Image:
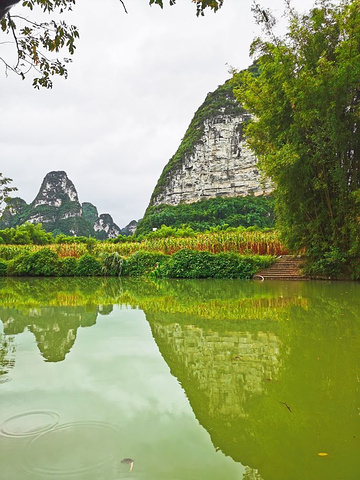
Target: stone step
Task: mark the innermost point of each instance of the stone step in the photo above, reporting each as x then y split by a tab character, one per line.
286	267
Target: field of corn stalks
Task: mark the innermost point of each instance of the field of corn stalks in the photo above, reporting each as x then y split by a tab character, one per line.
261	243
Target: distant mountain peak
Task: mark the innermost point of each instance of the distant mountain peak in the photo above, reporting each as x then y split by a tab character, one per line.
55	189
57	208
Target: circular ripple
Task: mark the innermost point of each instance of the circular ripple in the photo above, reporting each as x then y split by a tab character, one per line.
73	448
30	423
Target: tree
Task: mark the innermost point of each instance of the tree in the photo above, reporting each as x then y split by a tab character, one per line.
305	98
37	44
4	190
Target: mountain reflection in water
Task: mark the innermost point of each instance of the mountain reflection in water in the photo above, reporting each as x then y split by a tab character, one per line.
242	352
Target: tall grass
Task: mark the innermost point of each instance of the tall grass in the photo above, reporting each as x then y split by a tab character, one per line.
260	243
243	242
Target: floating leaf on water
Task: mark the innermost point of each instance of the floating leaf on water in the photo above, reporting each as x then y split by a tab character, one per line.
323	454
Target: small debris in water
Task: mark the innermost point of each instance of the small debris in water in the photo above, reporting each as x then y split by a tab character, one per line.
286	405
128	461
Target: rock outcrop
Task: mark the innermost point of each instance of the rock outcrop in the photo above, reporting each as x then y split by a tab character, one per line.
105	227
58	209
213	159
130	228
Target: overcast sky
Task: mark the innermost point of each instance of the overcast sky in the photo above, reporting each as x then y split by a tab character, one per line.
133	87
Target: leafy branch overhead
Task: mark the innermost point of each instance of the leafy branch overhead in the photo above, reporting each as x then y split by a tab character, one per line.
201	5
37	44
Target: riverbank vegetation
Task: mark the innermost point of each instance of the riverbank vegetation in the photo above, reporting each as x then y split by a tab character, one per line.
166	253
45	262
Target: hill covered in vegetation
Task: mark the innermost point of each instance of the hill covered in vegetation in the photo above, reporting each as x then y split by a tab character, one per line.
57	208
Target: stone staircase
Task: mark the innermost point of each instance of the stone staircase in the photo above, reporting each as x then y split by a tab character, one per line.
286	267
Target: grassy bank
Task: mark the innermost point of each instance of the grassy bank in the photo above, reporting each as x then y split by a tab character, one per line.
45	262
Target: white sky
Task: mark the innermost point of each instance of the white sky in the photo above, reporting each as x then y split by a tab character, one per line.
135	82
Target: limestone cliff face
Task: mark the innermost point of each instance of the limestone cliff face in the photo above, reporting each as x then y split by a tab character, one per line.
213	159
130	228
56	189
58	209
105	227
57	200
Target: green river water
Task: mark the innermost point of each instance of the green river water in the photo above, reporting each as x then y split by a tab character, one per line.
183	380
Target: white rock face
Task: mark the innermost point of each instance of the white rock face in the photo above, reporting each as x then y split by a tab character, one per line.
52	203
220	165
106	224
39	218
70	215
55	188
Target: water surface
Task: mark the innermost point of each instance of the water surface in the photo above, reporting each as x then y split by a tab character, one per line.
181	379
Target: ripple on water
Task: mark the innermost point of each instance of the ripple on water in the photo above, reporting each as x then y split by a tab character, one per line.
72	449
30	423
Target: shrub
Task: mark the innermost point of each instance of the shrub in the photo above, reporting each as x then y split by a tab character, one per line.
355	269
142	263
19	266
330	263
43	263
112	264
3	268
198	264
67	267
88	266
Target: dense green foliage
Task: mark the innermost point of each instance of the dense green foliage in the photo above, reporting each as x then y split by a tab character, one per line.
142	263
3	268
65	220
67	267
202	215
221	101
26	234
43	263
35	234
89	212
183	264
111	264
194	264
306	106
88	266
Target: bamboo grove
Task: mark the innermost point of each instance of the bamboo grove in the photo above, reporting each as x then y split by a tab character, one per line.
305	101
